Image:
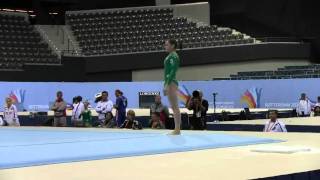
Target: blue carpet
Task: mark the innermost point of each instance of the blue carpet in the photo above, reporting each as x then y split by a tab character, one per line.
30	147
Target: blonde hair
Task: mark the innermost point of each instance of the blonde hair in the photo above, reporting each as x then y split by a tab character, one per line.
86	102
8	98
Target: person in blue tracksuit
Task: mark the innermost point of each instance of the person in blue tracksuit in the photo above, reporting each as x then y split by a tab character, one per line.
120	106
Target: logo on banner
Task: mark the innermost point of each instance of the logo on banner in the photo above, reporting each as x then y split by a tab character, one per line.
18	97
183	95
252	97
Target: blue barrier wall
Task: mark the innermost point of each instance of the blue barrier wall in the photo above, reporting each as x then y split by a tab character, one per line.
265	93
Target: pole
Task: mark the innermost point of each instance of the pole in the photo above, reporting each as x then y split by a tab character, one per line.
214	107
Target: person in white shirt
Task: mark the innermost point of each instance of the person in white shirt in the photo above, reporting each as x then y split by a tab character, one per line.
274	125
10	114
104	105
304	106
78	108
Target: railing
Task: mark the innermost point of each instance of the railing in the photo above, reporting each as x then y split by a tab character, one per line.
50	44
282	39
71	47
271	77
70	52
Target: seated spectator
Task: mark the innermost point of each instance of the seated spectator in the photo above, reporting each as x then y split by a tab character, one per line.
316	111
86	115
77	110
304	106
10	114
200	108
110	121
274	125
205	104
130	122
155	122
158	107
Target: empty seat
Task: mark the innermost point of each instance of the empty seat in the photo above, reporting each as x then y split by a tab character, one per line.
20	43
116	31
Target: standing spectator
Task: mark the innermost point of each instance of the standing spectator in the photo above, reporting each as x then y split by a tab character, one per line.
304	106
200	108
78	108
318	102
158	107
130	122
74	102
59	107
155	122
86	115
274	125
10	114
120	106
104	105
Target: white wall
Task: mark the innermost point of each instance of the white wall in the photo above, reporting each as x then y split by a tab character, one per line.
197	12
163	2
207	72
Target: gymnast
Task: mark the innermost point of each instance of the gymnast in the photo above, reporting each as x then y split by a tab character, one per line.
171	65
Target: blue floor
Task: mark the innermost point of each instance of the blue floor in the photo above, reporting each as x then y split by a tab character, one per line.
30	147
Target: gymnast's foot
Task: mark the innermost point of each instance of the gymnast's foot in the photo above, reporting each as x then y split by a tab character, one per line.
175	132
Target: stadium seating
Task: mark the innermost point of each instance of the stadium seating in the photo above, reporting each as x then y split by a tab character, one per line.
143	30
288	72
20	43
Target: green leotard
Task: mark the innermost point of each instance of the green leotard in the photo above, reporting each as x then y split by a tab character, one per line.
87	118
171	65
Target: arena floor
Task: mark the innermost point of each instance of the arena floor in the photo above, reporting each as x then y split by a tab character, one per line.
222	163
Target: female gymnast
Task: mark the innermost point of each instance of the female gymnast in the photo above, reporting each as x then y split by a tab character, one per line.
171	65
